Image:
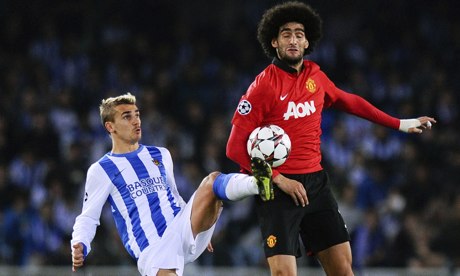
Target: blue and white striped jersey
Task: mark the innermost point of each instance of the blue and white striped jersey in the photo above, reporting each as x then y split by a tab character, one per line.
142	192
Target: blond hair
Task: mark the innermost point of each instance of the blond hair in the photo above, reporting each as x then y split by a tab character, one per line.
107	107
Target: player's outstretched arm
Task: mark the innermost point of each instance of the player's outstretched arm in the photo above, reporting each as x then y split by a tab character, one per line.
77	256
416	125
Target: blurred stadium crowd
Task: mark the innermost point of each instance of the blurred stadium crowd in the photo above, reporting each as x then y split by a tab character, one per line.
189	62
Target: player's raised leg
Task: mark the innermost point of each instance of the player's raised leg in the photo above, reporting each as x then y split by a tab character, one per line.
218	187
206	205
236	186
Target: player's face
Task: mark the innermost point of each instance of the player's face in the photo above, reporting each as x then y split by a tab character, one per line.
291	43
127	124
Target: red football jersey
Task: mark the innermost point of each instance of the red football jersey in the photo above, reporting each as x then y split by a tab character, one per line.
281	96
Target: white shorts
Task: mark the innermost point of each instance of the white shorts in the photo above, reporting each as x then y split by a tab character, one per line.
177	246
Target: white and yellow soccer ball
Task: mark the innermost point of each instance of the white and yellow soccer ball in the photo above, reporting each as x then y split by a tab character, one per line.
270	143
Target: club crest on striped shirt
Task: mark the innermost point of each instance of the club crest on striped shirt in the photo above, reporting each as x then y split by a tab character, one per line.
156	162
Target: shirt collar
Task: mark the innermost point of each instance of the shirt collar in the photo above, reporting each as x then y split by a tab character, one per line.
284	66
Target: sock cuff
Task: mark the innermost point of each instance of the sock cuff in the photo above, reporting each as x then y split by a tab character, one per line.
219	186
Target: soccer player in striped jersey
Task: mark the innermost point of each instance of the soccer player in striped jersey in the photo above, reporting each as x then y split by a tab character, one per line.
292	93
156	226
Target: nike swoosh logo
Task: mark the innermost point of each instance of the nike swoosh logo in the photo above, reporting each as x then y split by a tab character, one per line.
118	174
283	97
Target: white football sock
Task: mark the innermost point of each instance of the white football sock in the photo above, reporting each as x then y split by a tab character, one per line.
236	186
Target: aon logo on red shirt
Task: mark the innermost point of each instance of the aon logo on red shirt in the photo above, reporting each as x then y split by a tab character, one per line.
299	110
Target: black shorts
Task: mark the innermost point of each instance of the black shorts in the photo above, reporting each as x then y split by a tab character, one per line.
318	224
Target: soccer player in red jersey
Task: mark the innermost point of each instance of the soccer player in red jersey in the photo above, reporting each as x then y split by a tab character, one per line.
292	93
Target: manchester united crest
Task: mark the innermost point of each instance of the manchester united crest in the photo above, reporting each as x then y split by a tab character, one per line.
310	85
271	241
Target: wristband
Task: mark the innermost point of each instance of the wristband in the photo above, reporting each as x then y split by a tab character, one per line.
406	124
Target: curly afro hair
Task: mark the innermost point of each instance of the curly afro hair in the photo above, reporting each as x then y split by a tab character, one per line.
281	14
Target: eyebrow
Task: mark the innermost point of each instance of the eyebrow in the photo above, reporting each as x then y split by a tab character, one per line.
128	112
290	30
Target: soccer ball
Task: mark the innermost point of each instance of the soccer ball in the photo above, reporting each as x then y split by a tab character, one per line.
270	143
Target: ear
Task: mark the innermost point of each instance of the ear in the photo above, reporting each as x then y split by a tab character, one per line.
274	43
109	127
307	44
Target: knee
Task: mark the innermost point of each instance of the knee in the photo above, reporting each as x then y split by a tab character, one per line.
212	176
208	181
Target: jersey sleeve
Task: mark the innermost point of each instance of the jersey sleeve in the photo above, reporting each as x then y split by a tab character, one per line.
236	148
253	105
248	115
356	105
97	189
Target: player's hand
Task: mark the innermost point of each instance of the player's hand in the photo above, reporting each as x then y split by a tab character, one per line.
293	188
426	123
77	256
